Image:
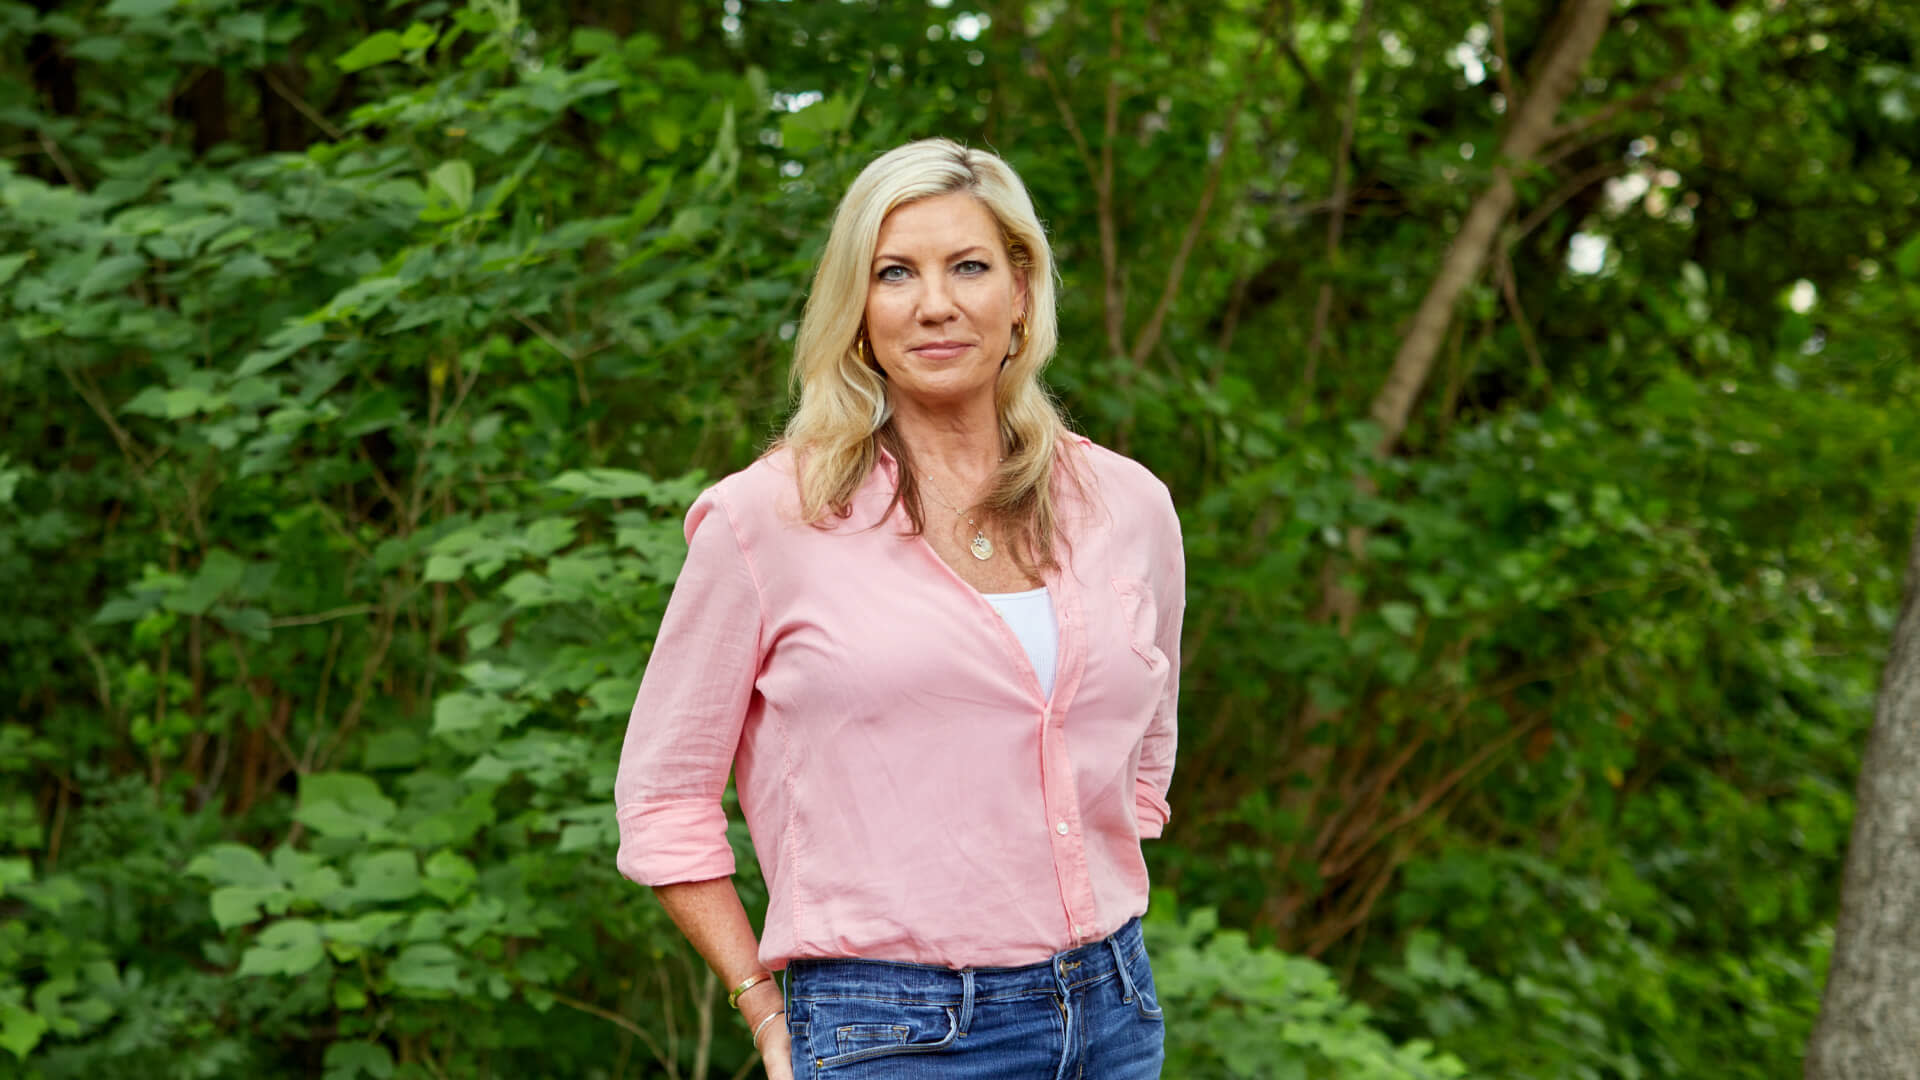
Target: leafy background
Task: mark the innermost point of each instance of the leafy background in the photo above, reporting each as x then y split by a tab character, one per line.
359	359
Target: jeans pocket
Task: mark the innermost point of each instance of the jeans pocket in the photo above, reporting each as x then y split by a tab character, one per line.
1139	978
846	1031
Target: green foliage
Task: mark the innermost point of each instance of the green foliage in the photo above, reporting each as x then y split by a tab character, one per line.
358	367
1238	1010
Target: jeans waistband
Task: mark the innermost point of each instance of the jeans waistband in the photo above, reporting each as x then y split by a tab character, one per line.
827	978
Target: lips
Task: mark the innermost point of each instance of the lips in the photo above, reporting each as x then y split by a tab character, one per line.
941	350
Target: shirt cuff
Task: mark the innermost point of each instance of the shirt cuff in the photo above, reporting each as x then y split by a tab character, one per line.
670	842
1150	810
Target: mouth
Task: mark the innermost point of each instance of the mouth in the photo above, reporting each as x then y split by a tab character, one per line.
941	350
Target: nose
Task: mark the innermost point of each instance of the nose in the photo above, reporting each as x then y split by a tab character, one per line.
936	301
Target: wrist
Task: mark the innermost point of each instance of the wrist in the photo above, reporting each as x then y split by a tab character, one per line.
746	986
756	1000
771	1020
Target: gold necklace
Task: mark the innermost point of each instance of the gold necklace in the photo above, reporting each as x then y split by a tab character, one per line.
981	546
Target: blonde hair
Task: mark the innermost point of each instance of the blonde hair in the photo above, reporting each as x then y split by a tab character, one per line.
844	418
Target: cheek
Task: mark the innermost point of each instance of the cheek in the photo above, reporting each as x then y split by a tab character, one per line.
886	312
989	301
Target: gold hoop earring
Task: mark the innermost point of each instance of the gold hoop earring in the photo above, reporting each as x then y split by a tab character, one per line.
1020	328
865	353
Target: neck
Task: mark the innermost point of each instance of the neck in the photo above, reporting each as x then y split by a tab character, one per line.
958	444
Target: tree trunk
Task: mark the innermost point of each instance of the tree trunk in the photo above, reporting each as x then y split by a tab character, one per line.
1869	1025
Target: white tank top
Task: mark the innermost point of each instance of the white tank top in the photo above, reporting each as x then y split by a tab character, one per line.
1030	615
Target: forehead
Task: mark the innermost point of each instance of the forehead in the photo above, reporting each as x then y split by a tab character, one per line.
943	223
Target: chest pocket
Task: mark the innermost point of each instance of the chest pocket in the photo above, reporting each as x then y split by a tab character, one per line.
1139	619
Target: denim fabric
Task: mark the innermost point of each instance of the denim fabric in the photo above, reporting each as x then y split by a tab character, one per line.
1089	1012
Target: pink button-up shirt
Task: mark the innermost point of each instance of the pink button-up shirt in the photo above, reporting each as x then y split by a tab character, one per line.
910	791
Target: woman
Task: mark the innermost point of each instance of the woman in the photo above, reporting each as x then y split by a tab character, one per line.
936	636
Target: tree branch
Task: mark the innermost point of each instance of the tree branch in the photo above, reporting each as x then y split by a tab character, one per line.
1498	19
1507	286
1337	218
1585	21
300	104
1116	299
1617	106
1111	295
1581	181
1143	346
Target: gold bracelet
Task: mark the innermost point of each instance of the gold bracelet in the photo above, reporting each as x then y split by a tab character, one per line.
753	980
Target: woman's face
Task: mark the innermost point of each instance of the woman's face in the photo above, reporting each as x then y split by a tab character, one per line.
942	299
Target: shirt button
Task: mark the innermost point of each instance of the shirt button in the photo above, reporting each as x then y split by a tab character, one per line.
1061	828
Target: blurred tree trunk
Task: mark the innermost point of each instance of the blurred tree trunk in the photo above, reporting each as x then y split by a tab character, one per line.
1871	1012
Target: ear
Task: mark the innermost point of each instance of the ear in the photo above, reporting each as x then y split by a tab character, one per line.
1019	294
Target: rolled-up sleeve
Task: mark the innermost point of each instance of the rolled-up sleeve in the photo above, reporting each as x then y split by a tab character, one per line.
688	715
1157	746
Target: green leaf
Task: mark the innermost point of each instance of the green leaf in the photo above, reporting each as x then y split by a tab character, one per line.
139	9
309	878
1400	615
235	864
488	676
219	572
605	483
454	180
377	49
126	608
238	905
464	711
14	872
288	947
593	41
430	968
11	264
343	804
394	749
548	535
443	568
418	35
584	837
251	623
20	1030
666	131
386	876
1907	259
110	273
347	1060
801	132
363	931
283	344
449	876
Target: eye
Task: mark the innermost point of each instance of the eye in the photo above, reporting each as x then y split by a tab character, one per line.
972	266
887	273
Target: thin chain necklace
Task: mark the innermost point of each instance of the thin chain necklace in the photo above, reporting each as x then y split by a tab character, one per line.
981	545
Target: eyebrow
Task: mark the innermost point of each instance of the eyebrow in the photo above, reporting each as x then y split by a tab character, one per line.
904	259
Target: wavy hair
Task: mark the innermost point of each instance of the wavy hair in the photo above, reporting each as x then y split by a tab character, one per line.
843	417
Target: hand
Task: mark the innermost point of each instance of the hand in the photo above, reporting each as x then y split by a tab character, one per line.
776	1051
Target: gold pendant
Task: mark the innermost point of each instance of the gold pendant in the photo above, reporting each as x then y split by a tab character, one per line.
982	547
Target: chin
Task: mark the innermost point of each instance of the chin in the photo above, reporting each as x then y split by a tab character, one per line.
949	386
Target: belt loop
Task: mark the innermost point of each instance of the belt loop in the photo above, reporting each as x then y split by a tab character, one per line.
966	999
1120	965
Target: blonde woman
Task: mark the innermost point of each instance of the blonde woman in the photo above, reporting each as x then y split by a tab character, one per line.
935	635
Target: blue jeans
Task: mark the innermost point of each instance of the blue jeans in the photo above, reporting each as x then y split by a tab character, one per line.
1087	1012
